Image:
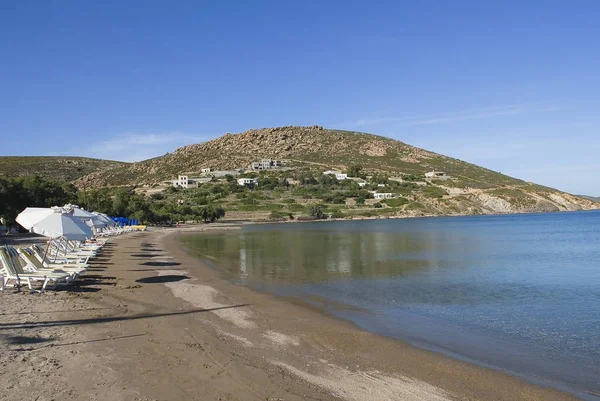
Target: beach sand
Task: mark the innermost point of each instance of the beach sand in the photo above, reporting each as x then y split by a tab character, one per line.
149	322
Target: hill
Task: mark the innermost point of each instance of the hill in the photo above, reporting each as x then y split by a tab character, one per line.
592	198
470	190
59	168
301	147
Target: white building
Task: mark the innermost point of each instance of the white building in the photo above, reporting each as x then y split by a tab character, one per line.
247	181
183	181
337	174
362	184
436	174
383	195
266	164
381	185
205	170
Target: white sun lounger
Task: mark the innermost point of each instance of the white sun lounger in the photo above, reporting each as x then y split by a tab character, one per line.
12	271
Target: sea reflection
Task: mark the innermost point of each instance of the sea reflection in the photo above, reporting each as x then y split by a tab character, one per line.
322	255
516	292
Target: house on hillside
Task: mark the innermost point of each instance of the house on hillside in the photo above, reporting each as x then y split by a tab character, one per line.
440	175
247	181
184	181
339	175
383	195
266	164
205	170
362	184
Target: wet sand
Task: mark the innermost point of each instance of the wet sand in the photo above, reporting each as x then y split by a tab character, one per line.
150	322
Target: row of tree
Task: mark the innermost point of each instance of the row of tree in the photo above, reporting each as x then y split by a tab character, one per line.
18	193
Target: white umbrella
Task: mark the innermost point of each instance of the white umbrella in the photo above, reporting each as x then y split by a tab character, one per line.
89	218
103	218
59	224
31	215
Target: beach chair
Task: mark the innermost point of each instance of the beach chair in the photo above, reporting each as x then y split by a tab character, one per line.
12	271
65	248
60	254
45	257
32	264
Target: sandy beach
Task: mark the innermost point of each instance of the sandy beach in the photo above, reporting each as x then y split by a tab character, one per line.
150	322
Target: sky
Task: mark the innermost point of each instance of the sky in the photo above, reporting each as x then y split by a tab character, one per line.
513	86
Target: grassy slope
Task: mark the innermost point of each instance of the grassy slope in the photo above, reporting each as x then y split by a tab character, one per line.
55	167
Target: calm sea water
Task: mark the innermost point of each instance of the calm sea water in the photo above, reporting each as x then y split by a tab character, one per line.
520	293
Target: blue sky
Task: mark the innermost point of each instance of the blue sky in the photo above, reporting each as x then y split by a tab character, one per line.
513	86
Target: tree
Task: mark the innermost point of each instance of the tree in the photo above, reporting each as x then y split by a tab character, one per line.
354	170
316	212
210	213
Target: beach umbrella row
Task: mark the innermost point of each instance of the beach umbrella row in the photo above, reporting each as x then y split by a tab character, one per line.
54	222
69	221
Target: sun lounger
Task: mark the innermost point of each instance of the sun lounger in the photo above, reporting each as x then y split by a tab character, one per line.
45	258
34	265
12	271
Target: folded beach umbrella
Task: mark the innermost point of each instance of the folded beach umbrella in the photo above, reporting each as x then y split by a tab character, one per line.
31	215
60	224
89	218
103	218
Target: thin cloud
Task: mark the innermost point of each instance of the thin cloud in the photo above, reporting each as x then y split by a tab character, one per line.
137	147
406	121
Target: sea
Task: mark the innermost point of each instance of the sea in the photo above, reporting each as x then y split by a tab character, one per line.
516	293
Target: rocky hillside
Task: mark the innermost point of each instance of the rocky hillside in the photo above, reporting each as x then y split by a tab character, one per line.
58	168
300	146
471	189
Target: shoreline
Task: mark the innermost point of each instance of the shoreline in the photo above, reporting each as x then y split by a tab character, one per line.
313	308
359	218
151	322
320	306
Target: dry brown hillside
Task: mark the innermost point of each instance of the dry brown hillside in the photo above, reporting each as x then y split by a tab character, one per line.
61	168
472	189
301	146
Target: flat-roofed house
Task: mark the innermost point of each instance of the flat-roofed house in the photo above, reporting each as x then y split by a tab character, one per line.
247	181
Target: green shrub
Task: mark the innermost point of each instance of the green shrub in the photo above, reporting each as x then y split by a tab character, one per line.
415	206
316	212
276	215
337	214
433	191
396	202
377	205
295	207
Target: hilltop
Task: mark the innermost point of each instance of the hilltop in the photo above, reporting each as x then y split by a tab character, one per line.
313	146
309	151
60	168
